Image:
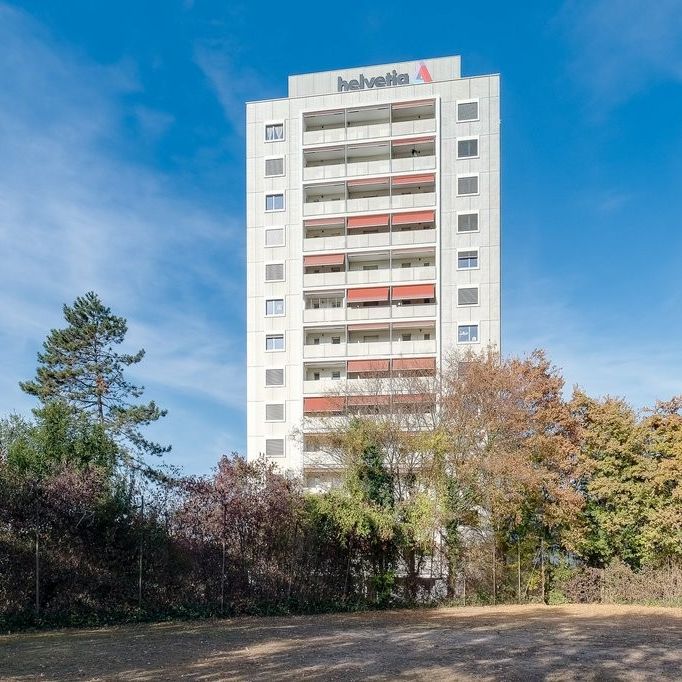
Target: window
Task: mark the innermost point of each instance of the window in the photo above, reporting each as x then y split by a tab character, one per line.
274	202
336	374
370	267
467	333
274	167
274	272
467	111
274	447
316	341
427	337
406	265
274	342
274	237
467	148
406	337
274	377
274	306
467	260
336	340
467	184
467	296
274	132
274	412
316	376
370	338
467	222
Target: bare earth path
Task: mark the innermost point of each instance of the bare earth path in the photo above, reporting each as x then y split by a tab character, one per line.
494	643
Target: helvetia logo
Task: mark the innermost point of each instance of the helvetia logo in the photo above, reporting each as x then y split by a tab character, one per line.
423	75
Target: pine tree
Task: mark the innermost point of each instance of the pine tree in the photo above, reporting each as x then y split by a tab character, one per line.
81	367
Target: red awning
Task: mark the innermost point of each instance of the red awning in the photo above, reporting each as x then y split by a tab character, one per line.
368	366
413	217
358	222
323	222
413	140
367	294
367	326
412	291
414	363
324	404
325	259
422	324
368	400
425	179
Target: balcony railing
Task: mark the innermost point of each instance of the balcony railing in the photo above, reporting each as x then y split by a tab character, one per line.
360	277
324	314
368	348
338	169
324	350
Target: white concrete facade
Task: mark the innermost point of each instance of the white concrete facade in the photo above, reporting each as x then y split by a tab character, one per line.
391	182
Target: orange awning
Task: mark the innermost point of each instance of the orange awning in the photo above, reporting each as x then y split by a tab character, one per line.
368	400
413	140
425	179
414	291
323	404
413	217
414	363
358	222
325	259
323	222
368	366
367	294
368	325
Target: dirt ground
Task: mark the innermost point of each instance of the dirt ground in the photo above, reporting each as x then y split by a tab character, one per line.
487	643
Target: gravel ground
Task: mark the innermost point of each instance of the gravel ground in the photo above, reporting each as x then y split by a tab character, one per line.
574	642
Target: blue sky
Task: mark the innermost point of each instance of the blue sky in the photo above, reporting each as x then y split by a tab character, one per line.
122	171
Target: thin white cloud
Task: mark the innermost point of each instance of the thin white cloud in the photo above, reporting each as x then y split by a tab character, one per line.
622	46
76	215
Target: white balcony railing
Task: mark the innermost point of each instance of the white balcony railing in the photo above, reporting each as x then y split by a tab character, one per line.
413	274
323	350
368	276
369	313
376	348
321	136
329	171
322	279
362	132
368	167
321	386
422	125
323	207
368	204
413	200
324	243
413	237
409	347
419	310
416	163
356	241
324	314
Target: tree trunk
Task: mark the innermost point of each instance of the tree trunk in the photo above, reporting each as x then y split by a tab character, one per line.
542	568
494	574
518	569
139	574
37	574
222	582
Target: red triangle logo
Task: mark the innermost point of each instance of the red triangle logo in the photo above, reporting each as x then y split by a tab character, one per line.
423	75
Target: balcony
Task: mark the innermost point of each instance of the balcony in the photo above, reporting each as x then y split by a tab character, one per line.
418	310
368	313
414	347
413	274
322	279
360	123
337	243
324	314
368	204
324	207
323	350
417	163
359	348
408	237
417	200
321	386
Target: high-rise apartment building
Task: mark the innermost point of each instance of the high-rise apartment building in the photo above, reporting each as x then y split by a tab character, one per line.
373	237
